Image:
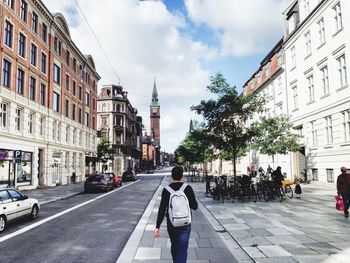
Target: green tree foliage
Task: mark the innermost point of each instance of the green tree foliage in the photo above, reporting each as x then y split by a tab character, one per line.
226	118
104	150
274	135
194	148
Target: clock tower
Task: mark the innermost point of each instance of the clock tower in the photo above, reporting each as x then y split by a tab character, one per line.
155	115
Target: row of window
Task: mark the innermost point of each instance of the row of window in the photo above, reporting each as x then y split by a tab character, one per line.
324	76
19	121
328	129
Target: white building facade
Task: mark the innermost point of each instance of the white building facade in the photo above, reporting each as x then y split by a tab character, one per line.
316	45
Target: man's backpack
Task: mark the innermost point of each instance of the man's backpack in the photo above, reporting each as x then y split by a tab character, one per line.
179	211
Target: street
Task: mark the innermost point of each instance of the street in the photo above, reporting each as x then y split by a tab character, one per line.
94	232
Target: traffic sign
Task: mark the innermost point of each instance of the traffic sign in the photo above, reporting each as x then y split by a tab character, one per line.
17	156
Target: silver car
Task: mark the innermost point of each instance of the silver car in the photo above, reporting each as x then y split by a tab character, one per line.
14	204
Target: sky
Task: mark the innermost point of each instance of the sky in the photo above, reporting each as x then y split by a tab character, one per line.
179	43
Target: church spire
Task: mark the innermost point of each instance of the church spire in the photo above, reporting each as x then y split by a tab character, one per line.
155	101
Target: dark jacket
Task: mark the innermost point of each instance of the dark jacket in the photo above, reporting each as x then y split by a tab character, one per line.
164	202
343	183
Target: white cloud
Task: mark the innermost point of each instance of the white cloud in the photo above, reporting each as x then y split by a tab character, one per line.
243	27
143	39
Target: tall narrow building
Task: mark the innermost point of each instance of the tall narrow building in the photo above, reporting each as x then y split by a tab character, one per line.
155	115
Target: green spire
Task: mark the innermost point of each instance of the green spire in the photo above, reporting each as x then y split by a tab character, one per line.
155	101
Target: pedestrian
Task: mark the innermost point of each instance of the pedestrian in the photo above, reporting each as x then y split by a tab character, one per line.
269	169
297	189
343	189
179	231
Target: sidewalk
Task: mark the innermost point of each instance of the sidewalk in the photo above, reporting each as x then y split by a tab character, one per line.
206	244
52	194
307	230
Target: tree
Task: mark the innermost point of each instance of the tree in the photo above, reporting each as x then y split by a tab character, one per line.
194	148
226	118
274	135
104	150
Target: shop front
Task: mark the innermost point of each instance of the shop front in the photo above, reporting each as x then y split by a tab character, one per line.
16	168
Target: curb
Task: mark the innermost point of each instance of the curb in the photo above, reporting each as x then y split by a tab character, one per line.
129	252
235	249
60	198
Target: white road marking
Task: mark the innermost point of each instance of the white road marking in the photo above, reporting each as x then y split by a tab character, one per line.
27	228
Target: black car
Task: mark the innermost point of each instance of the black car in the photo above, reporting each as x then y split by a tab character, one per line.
129	175
98	182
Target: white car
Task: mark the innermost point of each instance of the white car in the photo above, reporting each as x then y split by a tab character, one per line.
14	204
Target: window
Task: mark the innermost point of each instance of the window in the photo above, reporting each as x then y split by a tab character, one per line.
94	123
87	99
74	65
104	121
67	108
342	71
87	119
6	73
42	126
23	10
67	82
267	69
93	104
295	97
338	17
293	55
20	81
33	54
346	125
3	114
8	34
58	46
325	80
56	102
67	57
35	22
30	122
81	72
80	93
11	3
321	31
259	77
279	83
43	62
18	119
44	33
311	91
22	45
73	112
314	174
314	133
42	94
67	140
74	88
56	74
59	131
279	57
80	116
330	175
104	107
329	130
32	88
308	44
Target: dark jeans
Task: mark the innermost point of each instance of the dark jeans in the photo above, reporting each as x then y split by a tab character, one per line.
346	200
179	237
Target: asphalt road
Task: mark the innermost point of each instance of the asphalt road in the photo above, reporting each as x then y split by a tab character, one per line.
95	232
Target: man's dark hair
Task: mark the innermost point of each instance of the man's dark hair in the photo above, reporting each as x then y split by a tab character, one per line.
177	172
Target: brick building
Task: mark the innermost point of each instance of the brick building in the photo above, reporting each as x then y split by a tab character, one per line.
47	99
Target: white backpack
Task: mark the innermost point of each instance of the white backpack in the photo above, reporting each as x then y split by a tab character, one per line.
179	209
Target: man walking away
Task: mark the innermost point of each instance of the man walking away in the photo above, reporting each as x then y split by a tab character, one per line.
343	189
179	228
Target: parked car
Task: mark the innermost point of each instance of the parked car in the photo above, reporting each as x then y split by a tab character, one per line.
129	175
98	182
150	171
117	180
15	205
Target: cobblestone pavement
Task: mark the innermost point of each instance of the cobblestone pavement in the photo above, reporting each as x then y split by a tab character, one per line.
206	245
307	230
